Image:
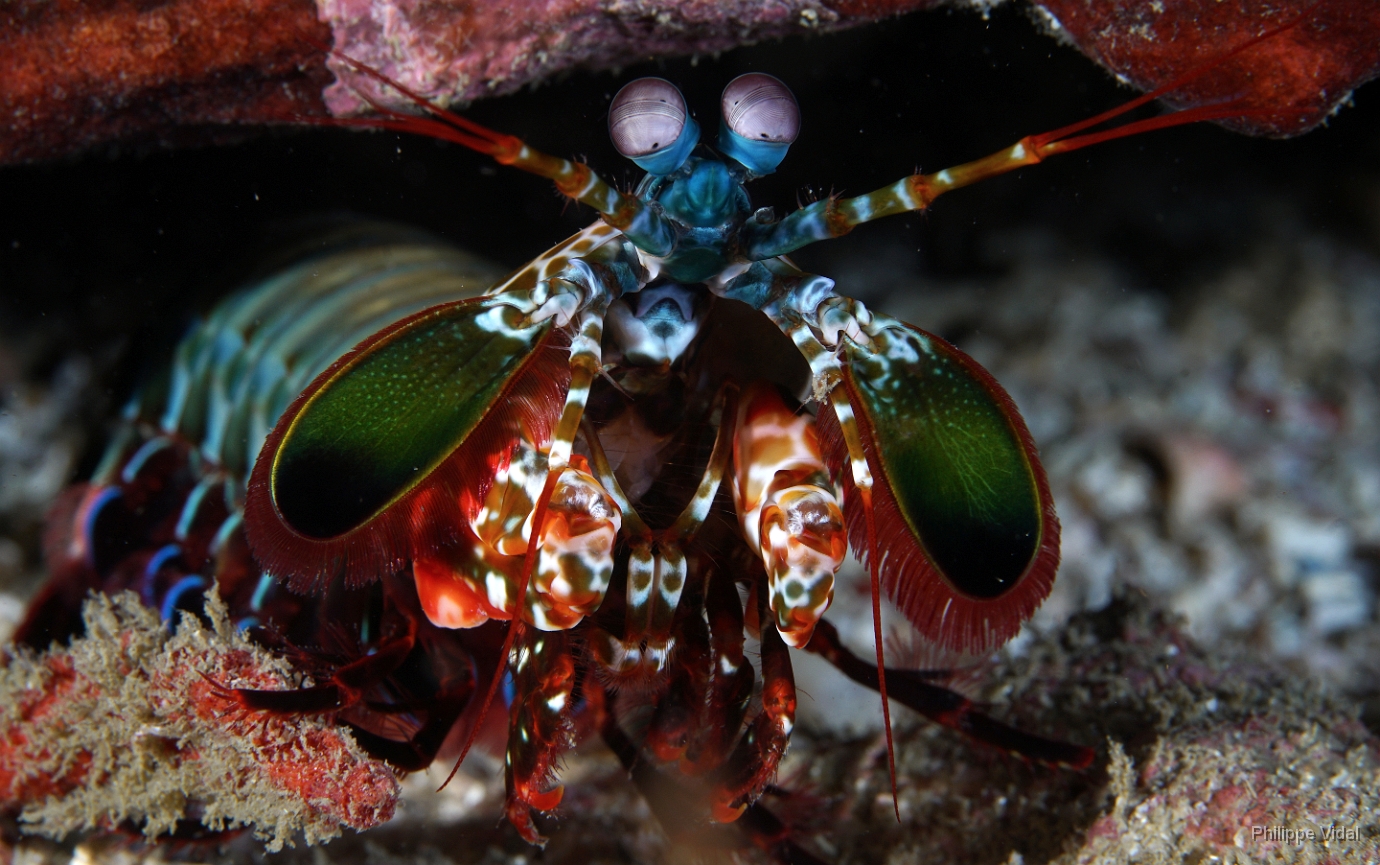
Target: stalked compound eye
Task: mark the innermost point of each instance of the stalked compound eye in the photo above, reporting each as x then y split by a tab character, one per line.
650	125
760	120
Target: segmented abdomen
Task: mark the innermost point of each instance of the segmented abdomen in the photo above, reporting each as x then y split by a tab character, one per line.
162	514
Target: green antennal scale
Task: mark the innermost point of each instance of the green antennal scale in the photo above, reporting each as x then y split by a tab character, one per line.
964	501
376	428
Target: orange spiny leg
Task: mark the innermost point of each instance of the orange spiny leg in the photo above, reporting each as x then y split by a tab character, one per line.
406	718
753	764
540	729
946	707
788	509
730	687
433	686
769	834
420	749
679	709
677	802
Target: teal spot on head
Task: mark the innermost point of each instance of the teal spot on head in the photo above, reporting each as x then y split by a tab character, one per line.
707	196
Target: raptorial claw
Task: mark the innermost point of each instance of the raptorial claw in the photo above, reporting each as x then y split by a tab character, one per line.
477	579
788	509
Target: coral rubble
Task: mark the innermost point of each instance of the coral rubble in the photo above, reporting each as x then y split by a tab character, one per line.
131	728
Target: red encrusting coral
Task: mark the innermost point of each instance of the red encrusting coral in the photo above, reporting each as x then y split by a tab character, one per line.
1296	78
17	746
458	52
133	726
76	74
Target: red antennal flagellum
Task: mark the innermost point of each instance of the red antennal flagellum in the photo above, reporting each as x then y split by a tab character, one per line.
573	179
443	124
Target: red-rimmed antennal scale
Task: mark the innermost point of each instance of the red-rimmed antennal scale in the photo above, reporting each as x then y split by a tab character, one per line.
967	540
366	476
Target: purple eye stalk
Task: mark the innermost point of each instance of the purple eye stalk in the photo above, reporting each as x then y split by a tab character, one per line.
650	125
760	120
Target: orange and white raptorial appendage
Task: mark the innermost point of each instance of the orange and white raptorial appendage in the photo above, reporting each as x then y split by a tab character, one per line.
468	585
788	508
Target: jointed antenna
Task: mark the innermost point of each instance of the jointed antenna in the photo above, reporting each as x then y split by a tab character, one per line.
644	226
834	217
